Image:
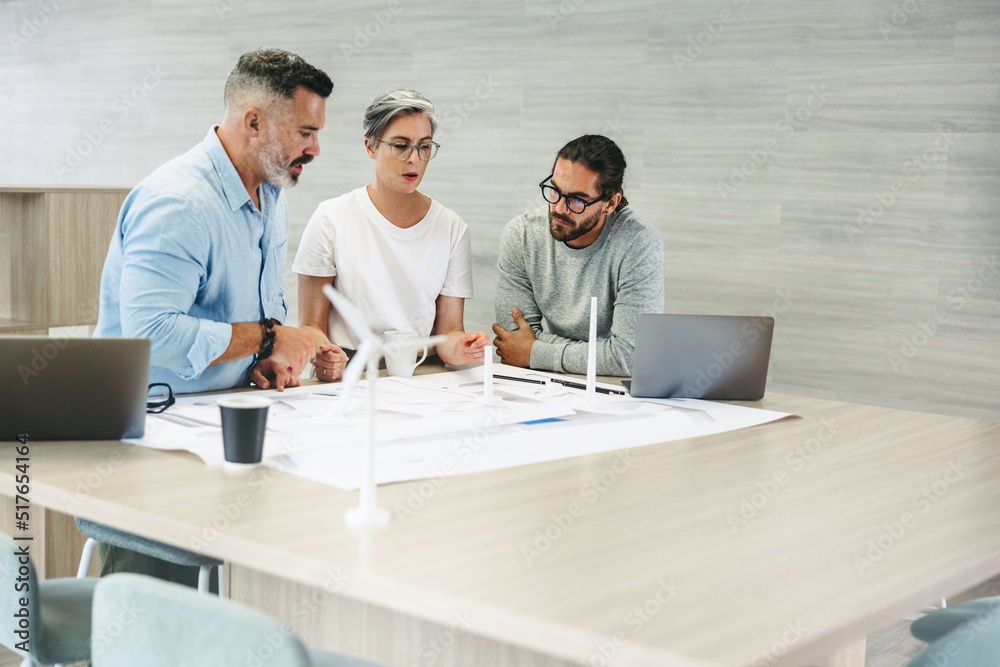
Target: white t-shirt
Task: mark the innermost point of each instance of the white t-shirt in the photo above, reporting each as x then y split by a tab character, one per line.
393	275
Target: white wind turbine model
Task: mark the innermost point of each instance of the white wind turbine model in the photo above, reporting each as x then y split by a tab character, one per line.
369	352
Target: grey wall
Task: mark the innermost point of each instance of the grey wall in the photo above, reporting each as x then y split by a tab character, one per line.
833	164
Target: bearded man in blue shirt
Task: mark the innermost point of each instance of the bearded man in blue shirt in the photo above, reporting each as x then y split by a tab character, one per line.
197	257
196	260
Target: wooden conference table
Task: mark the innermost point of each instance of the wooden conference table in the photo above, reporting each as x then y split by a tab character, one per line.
780	544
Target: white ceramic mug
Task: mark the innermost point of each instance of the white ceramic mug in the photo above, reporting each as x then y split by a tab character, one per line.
399	359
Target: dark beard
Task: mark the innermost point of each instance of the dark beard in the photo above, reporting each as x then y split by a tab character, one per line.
571	233
305	159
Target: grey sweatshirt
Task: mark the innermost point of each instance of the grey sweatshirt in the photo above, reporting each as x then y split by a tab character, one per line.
545	278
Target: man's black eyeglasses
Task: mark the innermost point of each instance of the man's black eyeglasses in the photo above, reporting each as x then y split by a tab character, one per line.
157	404
552	195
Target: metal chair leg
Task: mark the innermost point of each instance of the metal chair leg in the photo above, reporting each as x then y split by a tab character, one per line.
204	577
204	572
86	557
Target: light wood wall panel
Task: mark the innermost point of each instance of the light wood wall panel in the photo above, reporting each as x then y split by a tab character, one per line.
80	228
812	113
24	235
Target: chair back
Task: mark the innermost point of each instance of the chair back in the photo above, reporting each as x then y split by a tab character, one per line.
18	596
138	620
974	643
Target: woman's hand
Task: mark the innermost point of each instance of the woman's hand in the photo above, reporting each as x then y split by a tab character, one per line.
329	363
464	348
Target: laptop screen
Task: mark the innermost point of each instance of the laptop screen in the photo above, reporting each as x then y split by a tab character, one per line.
73	388
701	356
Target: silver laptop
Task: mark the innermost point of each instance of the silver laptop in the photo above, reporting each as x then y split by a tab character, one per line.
73	388
701	356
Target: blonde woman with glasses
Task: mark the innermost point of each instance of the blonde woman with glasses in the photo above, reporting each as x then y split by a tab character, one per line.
401	257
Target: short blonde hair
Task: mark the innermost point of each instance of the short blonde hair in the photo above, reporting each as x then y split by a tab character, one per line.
388	106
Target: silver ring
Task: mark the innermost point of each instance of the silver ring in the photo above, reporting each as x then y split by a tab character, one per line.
324	371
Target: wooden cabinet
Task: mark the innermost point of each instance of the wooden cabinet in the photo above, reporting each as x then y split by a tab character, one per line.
53	242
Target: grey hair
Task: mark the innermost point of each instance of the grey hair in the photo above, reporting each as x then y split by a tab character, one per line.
390	105
268	77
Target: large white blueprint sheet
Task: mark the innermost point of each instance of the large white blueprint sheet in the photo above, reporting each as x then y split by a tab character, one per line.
438	425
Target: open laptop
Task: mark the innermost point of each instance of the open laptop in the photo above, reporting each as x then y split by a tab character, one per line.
701	356
73	388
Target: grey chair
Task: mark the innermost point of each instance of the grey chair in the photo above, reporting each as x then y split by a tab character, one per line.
966	635
57	626
937	624
98	532
139	620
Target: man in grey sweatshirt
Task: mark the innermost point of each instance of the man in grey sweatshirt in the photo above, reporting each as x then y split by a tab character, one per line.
586	243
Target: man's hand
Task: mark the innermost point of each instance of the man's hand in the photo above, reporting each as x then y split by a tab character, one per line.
266	372
330	362
294	348
514	347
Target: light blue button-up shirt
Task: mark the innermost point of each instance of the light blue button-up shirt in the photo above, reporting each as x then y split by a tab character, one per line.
190	256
